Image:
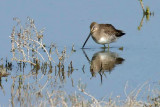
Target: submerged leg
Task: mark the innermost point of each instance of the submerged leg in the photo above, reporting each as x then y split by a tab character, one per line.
108	47
104	46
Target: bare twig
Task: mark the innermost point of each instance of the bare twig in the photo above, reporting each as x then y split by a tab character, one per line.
142	5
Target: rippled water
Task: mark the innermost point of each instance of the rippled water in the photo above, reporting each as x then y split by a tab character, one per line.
67	23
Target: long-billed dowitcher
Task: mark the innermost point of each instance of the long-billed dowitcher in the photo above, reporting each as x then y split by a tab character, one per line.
103	33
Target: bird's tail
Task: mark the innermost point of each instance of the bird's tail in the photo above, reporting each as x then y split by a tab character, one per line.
120	33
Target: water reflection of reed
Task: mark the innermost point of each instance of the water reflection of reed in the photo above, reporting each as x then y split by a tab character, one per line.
103	61
27	88
147	19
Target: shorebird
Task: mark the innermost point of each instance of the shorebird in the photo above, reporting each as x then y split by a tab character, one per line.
103	33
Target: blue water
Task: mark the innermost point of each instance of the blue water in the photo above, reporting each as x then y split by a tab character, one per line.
67	23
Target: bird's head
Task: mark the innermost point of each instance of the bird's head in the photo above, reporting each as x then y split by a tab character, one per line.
93	27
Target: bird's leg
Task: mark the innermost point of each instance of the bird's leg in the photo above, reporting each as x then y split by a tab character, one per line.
108	47
104	47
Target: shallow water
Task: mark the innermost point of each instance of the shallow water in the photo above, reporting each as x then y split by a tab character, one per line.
67	23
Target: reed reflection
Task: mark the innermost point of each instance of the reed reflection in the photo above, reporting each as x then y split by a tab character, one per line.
147	16
103	61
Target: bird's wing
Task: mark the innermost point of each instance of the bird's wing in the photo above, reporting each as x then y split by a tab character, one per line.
109	29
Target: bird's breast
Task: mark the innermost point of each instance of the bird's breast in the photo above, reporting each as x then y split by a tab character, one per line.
103	38
100	39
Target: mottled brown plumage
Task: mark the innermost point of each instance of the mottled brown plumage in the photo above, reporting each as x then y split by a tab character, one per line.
104	33
110	30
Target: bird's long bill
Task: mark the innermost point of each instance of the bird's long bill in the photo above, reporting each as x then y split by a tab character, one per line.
86	40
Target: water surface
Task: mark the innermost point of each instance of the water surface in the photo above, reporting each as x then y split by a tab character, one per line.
67	23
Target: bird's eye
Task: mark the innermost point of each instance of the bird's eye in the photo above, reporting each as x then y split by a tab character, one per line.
93	27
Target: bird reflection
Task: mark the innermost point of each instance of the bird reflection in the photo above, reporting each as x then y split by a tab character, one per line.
103	61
